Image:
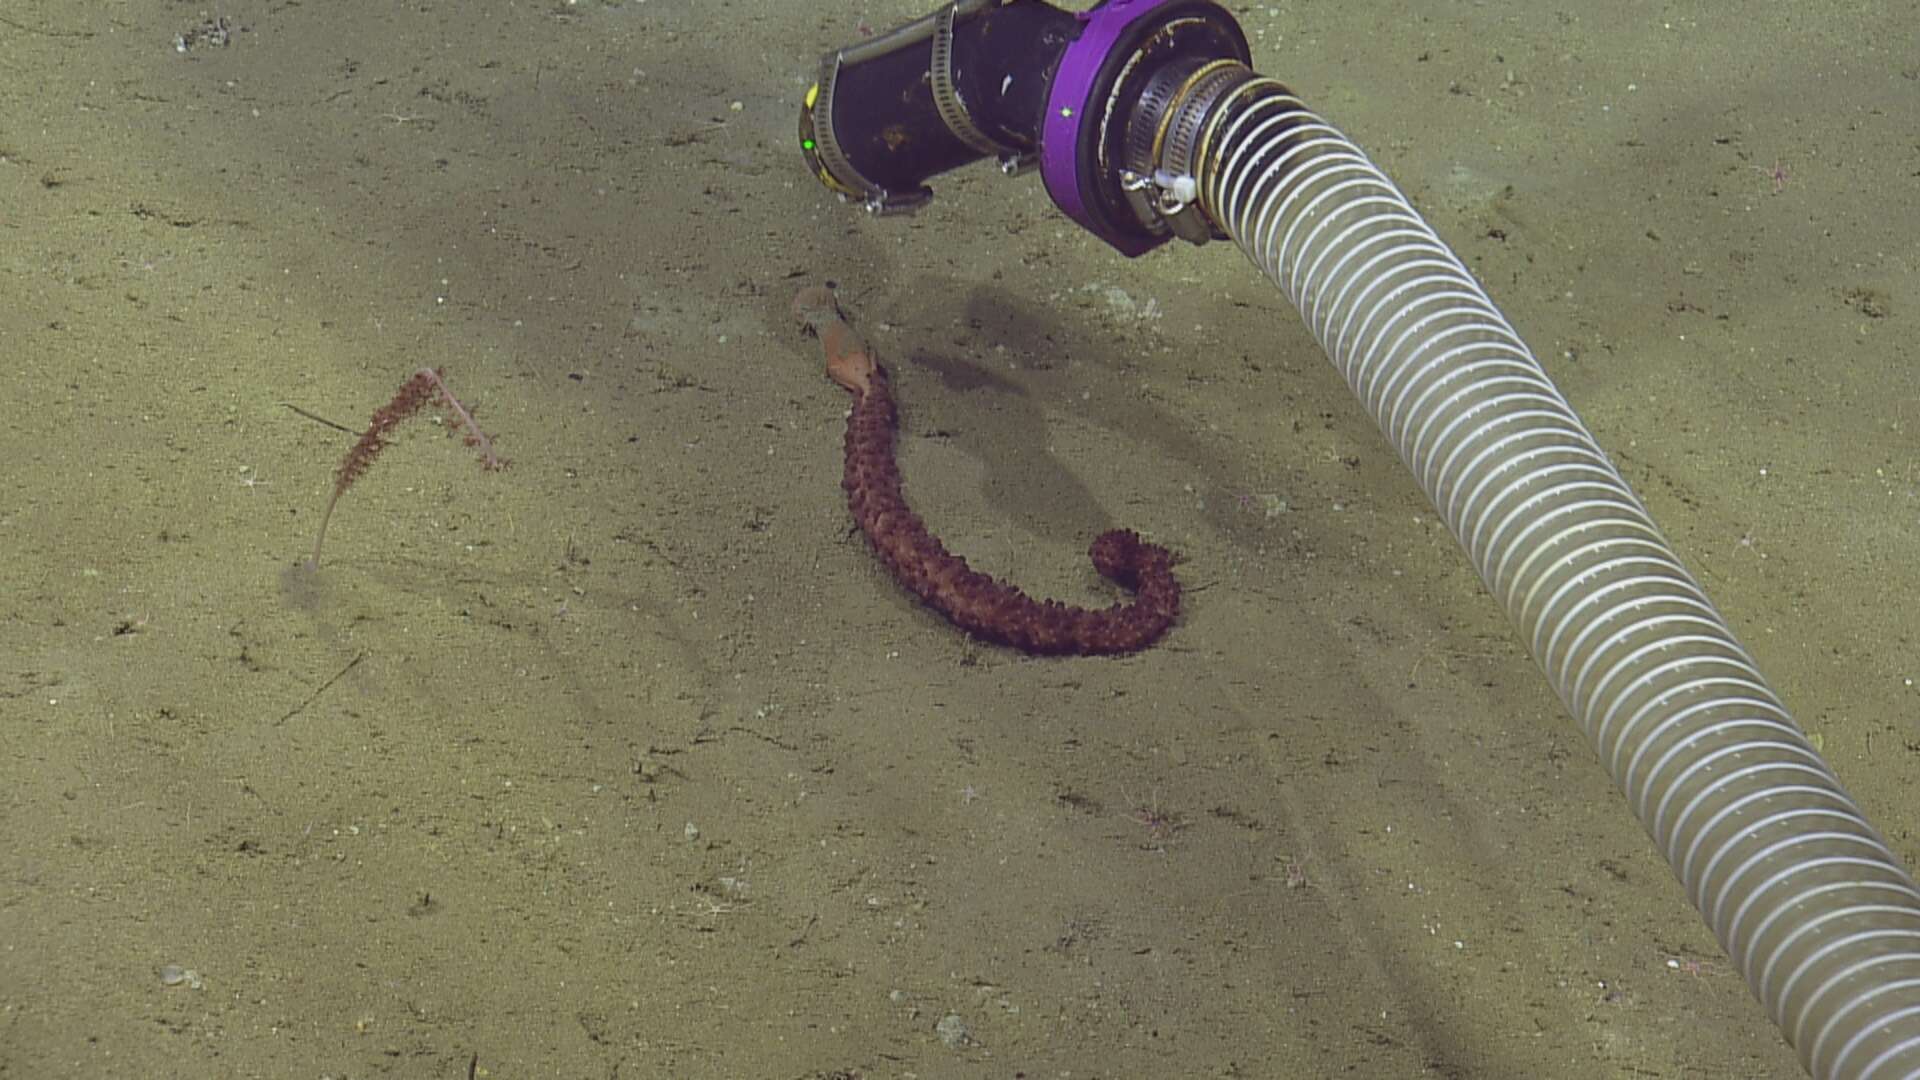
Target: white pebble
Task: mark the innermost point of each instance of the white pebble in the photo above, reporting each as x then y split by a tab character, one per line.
953	1030
175	975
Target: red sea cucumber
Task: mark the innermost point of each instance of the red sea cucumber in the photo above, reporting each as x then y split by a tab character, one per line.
973	601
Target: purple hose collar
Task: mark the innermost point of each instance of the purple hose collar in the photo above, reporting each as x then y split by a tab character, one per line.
1067	109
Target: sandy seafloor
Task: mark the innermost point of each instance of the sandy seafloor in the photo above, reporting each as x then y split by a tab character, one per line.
630	762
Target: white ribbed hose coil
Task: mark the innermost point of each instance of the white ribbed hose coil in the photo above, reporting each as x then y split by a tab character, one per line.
1801	891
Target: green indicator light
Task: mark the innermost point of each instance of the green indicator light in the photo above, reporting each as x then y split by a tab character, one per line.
806	144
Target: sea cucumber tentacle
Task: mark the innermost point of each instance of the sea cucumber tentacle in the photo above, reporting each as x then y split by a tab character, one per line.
975	602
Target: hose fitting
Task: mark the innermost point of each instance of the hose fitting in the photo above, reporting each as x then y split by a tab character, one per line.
1108	102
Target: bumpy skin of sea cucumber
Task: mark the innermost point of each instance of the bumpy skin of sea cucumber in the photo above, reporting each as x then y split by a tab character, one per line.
979	604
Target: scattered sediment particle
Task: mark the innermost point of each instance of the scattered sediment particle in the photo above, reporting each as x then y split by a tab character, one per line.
1124	308
217	32
1872	303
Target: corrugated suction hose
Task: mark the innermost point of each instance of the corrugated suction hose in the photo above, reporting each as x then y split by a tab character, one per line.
1801	891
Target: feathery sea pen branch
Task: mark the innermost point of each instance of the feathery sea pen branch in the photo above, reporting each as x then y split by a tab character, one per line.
426	387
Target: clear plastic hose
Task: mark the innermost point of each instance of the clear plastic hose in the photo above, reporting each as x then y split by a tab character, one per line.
1801	891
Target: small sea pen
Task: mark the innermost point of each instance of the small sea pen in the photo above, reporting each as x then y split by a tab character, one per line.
425	387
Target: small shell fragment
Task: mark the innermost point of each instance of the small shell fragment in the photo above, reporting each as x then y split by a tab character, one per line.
175	975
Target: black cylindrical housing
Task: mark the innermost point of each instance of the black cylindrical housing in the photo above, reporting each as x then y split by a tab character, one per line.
887	124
